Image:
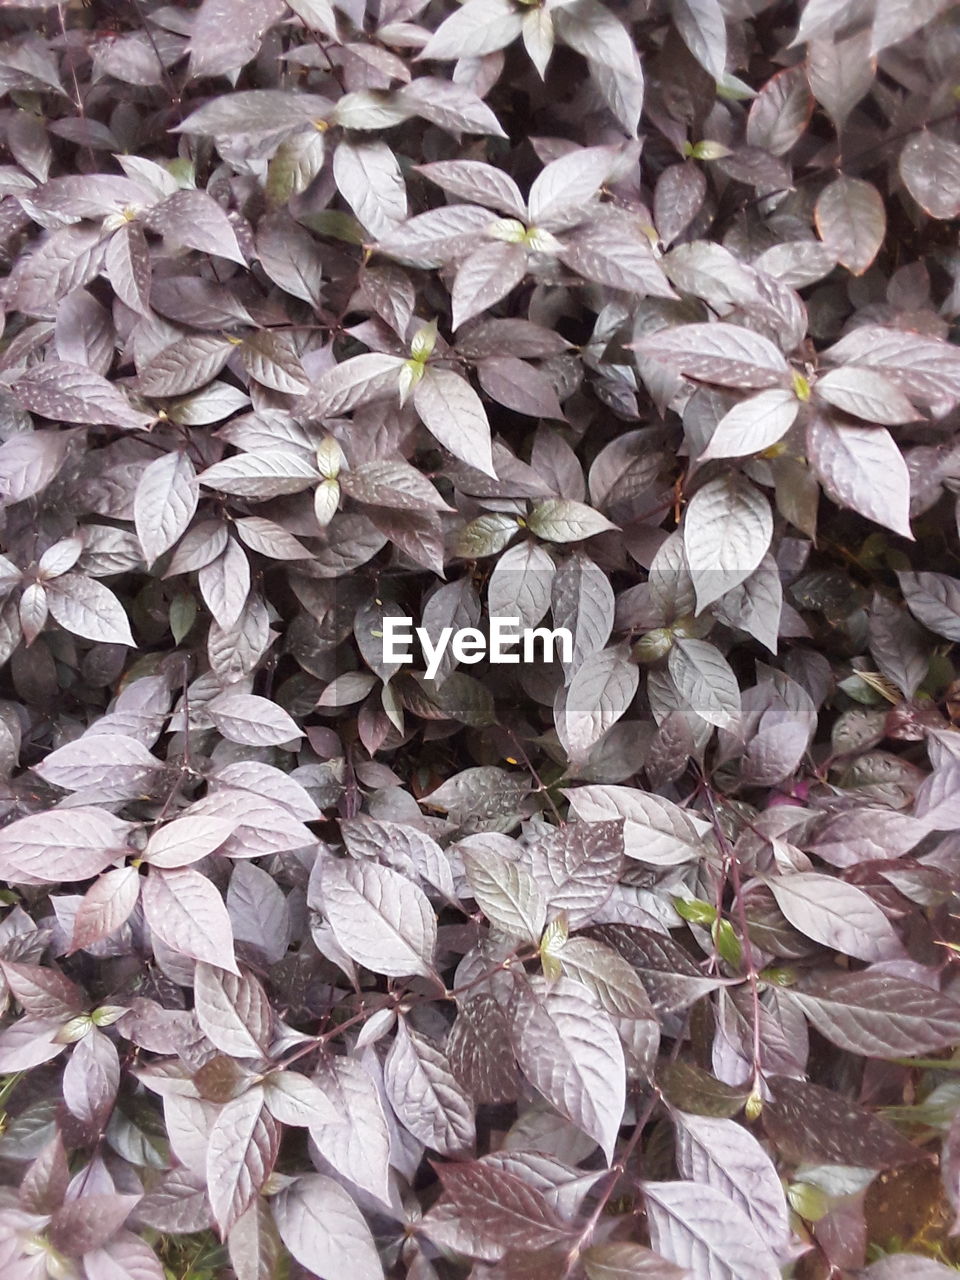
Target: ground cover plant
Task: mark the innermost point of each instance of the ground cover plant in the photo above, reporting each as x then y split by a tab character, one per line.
630	318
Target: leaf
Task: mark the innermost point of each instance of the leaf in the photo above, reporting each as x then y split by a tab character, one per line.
604	971
257	112
600	692
521	584
724	1155
561	520
82	1225
577	865
378	917
582	601
426	1096
851	221
243	1146
165	503
807	1122
362	379
696	1091
194	220
862	468
615	253
61	844
756	606
270	539
28	1043
450	105
669	976
697	1226
293	1099
486	276
295	163
184	365
569	1050
720	353
254	721
433	238
655	830
621	1260
678	196
88	609
258	911
358	1144
127	266
368	177
475	181
727	529
478	28
898	645
780	112
67	260
225	35
256	1251
878	1015
324	1229
930	167
124	1257
91	1079
233	1012
594	32
74	393
43	992
907	1266
270	357
753	425
840	72
479	1052
865	394
705	680
934	600
116	767
483	1211
106	905
262	475
451	411
225	587
391	484
703	29
506	893
867	834
29	461
186	913
837	915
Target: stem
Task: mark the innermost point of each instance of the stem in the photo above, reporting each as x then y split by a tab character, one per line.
78	97
542	789
732	865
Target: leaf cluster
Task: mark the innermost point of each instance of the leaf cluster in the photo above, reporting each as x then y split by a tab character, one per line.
632	318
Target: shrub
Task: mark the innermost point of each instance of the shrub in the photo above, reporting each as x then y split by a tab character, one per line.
630	319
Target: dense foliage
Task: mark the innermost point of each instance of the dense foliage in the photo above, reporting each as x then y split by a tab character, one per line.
632	318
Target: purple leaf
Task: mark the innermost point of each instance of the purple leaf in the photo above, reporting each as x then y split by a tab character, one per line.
698	1227
234	1013
378	917
187	914
91	1079
426	1096
570	1052
242	1150
63	844
324	1229
89	609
